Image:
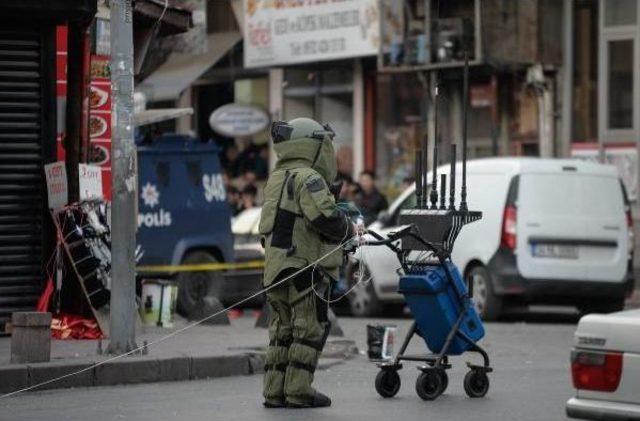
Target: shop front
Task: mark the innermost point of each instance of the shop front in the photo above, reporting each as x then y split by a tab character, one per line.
28	141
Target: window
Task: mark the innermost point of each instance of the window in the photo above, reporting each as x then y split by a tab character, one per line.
163	172
400	124
620	12
620	84
194	171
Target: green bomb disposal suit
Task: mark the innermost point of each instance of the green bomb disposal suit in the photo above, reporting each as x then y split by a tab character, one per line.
300	223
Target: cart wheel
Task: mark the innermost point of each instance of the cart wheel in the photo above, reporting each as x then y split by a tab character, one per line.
476	383
430	384
387	383
445	380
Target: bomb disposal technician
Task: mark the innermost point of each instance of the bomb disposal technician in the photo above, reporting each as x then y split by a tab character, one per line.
300	224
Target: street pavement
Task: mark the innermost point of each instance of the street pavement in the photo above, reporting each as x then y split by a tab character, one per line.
531	382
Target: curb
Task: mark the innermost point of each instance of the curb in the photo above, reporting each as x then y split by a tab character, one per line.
129	370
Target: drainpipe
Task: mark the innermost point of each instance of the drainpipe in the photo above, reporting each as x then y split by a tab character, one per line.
567	77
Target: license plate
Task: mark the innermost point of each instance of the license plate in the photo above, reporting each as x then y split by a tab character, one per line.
554	251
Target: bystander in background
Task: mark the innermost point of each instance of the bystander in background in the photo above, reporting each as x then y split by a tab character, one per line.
368	198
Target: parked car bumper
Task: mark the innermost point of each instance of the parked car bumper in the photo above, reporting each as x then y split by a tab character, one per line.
592	409
507	280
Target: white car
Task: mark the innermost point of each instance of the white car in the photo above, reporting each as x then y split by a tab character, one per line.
553	231
605	367
241	283
244	226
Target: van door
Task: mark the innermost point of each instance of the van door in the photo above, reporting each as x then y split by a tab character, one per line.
571	226
606	225
549	226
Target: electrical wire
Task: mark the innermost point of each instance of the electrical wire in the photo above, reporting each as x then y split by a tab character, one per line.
346	207
360	282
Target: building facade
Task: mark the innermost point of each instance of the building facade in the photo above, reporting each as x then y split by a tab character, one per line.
548	78
604	75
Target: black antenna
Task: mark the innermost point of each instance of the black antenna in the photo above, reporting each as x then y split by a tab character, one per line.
443	191
434	180
433	196
419	172
452	178
425	183
465	101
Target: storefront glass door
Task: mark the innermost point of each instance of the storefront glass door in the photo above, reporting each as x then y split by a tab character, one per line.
326	95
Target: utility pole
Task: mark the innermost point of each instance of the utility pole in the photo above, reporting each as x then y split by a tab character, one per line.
124	181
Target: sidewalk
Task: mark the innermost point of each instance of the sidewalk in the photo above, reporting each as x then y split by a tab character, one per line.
200	352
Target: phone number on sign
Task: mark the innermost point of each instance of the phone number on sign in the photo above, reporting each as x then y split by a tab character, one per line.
335	45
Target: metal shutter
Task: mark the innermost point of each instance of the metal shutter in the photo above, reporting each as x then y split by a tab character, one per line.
22	192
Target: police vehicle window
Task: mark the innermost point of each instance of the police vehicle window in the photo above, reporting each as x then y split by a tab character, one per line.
194	171
163	172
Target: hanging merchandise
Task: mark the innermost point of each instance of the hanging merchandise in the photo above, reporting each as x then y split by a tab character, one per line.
87	238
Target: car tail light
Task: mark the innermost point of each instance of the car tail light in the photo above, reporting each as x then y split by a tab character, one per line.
509	222
592	370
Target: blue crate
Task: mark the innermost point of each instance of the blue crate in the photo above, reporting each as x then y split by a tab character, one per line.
435	305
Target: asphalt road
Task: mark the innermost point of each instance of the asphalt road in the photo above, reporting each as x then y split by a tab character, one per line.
531	382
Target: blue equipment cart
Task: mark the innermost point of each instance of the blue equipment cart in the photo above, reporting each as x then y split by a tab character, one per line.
434	289
441	304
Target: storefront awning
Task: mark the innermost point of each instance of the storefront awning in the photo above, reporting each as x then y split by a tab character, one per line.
145	117
175	20
181	70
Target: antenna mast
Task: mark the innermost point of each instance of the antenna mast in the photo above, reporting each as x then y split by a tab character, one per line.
433	197
465	101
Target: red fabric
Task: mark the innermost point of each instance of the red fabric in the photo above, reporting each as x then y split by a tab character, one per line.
45	297
68	326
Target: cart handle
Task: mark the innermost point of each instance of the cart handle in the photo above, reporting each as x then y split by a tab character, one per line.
405	232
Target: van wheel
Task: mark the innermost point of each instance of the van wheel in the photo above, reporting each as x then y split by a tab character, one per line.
605	307
487	304
363	300
194	286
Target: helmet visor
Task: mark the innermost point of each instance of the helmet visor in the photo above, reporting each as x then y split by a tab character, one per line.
281	131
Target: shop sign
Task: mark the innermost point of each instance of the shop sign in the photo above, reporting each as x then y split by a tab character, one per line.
300	31
56	175
234	120
90	181
100	120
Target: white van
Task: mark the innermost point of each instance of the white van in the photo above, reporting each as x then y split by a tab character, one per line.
553	231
